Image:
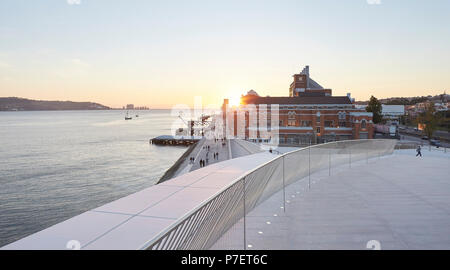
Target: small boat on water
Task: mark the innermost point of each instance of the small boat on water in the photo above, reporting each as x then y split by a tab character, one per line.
127	117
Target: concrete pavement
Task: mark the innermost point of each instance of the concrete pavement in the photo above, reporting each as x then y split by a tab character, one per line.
400	201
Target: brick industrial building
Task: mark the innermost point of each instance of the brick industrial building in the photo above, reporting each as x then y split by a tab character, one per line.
309	113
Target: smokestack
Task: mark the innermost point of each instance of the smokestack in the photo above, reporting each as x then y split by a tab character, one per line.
305	71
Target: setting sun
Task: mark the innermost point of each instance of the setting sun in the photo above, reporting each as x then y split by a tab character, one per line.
235	101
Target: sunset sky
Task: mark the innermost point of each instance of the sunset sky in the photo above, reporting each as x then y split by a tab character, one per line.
161	53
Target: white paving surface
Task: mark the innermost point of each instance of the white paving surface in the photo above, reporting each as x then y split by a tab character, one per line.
400	200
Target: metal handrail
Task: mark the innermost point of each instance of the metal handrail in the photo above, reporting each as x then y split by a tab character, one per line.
161	239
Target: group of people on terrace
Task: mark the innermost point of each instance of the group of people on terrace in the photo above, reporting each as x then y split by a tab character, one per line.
208	147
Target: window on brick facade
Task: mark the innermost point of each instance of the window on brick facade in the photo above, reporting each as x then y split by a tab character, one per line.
318	129
328	123
306	123
342	119
291	123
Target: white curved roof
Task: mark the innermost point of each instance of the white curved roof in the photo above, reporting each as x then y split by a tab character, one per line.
128	223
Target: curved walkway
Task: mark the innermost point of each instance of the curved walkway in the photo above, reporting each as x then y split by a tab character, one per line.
401	201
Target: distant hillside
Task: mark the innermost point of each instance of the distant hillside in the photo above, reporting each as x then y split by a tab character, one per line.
23	104
410	100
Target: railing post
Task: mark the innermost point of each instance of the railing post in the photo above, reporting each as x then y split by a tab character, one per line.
349	157
329	161
309	165
379	153
367	154
284	190
245	214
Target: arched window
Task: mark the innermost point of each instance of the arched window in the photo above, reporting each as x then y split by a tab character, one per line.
291	119
363	123
341	119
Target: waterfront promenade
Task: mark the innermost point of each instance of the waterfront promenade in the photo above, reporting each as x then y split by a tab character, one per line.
206	153
205	149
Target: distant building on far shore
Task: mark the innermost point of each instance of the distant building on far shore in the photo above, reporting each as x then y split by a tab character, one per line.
132	107
392	112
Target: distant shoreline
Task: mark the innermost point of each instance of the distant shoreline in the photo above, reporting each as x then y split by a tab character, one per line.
23	104
58	110
63	110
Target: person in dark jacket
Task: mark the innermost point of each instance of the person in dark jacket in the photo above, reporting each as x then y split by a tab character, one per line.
418	151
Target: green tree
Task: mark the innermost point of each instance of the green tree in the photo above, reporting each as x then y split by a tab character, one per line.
430	119
374	107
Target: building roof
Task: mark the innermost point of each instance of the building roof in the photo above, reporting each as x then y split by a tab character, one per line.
296	100
252	92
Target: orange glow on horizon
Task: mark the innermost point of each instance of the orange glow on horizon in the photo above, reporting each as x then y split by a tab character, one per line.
235	101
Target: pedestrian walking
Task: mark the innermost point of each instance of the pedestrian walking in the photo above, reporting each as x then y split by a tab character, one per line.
418	151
